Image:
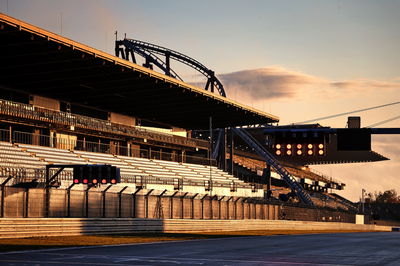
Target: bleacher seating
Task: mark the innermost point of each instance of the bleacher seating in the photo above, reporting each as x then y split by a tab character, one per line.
193	177
12	156
52	155
257	167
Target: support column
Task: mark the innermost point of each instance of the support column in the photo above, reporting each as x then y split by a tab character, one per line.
69	200
10	134
231	153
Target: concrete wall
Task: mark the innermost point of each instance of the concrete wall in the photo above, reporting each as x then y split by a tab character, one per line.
141	203
28	227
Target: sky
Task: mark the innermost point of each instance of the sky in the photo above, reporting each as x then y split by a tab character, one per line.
298	60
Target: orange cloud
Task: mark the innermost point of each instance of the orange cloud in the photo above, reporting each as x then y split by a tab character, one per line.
366	84
275	82
268	82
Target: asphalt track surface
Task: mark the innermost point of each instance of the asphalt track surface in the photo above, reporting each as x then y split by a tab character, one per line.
323	249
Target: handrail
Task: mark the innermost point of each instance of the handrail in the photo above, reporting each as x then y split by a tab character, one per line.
260	150
36	113
88	146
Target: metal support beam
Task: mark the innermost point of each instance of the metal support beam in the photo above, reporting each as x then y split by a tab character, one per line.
182	205
172	204
147	202
120	201
202	205
69	200
87	201
192	200
134	202
3	194
103	194
269	158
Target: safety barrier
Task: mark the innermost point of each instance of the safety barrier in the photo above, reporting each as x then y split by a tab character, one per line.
30	227
138	202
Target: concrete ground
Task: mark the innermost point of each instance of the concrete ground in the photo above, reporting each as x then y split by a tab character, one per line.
325	249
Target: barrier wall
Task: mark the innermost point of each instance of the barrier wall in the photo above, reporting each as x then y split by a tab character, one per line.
29	227
115	202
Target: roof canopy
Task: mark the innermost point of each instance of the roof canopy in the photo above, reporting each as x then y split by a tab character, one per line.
42	63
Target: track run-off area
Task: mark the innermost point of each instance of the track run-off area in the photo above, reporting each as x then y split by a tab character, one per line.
370	248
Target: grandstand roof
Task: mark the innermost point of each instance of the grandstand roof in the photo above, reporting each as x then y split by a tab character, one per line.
333	155
39	62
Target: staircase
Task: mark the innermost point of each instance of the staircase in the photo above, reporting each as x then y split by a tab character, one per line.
269	158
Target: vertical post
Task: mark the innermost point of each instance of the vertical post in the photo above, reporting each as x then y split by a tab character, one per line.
134	202
227	208
172	205
26	211
249	213
69	200
182	206
195	195
87	201
236	217
231	152
223	159
133	205
210	153
120	201
3	194
104	199
362	200
47	196
243	209
202	206
10	135
211	208
219	207
2	200
147	203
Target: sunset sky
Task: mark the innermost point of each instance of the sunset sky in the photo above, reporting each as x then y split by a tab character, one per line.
298	60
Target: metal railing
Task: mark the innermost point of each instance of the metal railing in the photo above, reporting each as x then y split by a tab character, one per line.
26	175
88	146
30	112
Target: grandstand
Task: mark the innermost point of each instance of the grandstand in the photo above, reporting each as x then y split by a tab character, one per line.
65	103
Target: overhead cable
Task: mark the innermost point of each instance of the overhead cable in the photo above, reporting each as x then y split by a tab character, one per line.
346	113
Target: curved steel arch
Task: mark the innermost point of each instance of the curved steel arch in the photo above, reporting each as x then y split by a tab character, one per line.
150	51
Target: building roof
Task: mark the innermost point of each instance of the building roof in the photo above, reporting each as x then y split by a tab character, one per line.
42	63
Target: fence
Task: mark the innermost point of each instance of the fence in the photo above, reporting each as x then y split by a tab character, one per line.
139	203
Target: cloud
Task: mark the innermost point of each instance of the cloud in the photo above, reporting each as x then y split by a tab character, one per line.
275	82
269	82
366	84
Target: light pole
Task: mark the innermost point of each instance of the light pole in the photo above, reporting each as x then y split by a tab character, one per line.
362	200
210	154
